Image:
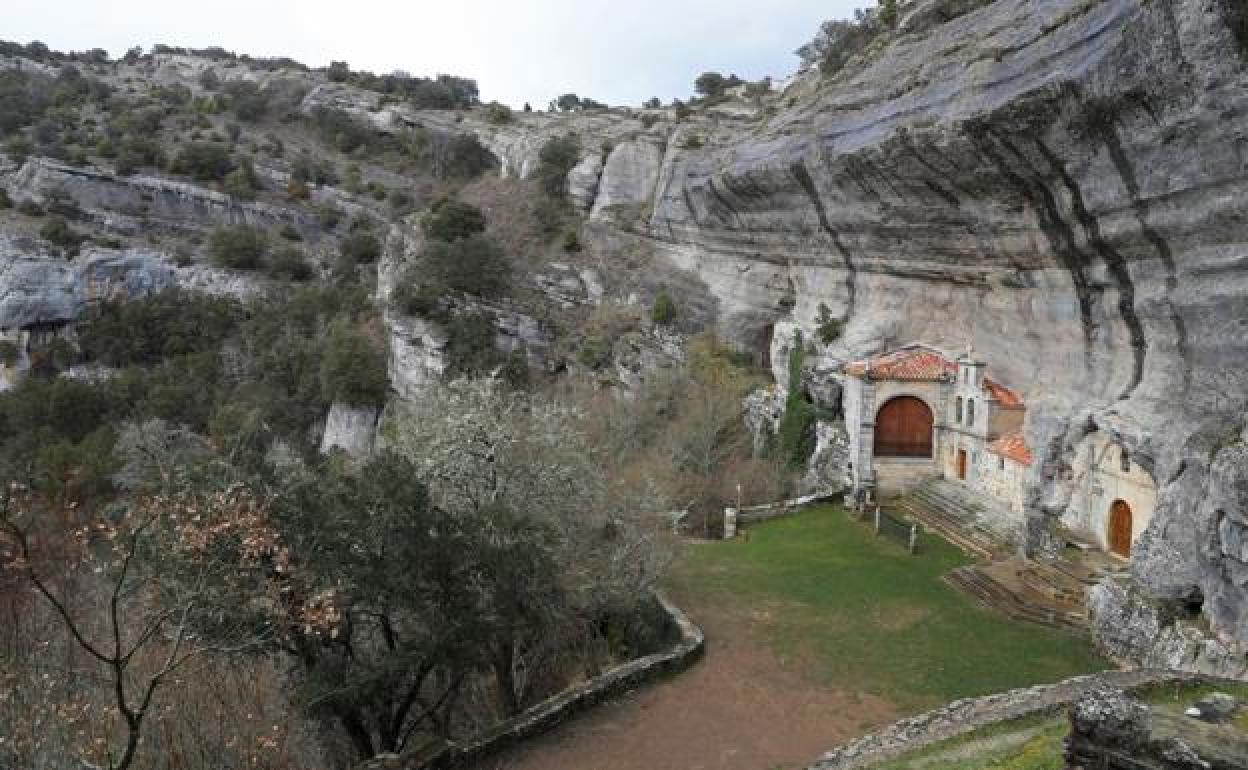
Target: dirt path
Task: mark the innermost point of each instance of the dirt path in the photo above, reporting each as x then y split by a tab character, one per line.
740	708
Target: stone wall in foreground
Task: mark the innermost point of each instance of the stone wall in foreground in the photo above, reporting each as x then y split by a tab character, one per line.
558	708
968	714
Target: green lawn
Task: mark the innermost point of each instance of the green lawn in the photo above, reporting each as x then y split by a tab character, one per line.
863	615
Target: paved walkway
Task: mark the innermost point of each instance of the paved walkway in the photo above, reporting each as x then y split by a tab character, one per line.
740	708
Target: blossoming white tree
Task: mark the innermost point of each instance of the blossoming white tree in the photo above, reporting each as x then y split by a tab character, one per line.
517	457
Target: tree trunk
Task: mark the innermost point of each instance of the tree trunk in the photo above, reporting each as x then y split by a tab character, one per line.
356	731
505	678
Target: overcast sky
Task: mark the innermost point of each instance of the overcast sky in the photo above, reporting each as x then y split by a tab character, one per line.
620	52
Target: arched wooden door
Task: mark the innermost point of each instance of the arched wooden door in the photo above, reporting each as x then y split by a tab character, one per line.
903	428
1120	528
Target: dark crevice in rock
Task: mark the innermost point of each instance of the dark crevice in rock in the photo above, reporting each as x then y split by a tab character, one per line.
942	193
744	187
947	194
1235	12
693	212
1056	231
860	179
948	176
727	211
1116	263
1127	172
1178	472
866	167
807	183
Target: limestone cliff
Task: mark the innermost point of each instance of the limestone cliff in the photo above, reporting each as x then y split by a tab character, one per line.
1060	183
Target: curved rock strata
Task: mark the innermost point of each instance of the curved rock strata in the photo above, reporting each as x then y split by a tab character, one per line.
1062	184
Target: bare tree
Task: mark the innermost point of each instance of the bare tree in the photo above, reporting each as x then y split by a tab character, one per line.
163	589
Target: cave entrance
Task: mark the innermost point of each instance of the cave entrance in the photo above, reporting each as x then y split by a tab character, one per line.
762	346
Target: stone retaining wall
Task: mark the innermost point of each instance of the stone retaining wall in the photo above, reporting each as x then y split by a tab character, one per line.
753	514
558	708
968	714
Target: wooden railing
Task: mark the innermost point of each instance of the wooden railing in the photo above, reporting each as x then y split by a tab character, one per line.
904	531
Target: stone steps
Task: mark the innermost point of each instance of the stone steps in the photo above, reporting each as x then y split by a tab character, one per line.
953	518
1051	583
1017	602
1086	569
1050	593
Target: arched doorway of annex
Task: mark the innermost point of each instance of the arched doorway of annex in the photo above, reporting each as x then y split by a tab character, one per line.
1120	528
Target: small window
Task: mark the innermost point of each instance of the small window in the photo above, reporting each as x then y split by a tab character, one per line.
1124	461
970	411
1001	462
957	410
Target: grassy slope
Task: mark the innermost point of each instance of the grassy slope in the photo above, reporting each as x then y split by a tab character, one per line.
866	616
1035	743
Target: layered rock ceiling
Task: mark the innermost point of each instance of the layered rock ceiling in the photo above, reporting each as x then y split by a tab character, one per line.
1060	183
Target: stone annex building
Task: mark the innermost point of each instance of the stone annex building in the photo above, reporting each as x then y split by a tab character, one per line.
918	413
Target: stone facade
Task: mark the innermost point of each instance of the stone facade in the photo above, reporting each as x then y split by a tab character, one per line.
1105	474
978	440
970	416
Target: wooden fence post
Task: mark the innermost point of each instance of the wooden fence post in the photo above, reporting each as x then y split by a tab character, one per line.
914	538
877	519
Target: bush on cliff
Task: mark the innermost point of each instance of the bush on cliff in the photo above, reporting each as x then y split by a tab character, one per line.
796	436
361	248
241	183
474	265
663	312
839	41
828	328
558	156
353	369
498	114
713	85
288	263
148	330
203	161
240	247
450	220
246	100
58	232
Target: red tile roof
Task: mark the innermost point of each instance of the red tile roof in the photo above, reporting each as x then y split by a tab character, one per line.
916	363
1006	398
912	364
1014	446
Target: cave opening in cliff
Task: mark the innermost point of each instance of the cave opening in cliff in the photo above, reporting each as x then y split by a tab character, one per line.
762	346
